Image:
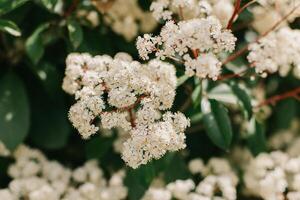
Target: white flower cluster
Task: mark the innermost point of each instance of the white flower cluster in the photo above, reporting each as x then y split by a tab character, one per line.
125	17
189	9
219	182
37	178
202	37
274	176
278	51
127	94
269	12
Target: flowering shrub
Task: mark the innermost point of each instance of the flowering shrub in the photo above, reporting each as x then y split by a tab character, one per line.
149	100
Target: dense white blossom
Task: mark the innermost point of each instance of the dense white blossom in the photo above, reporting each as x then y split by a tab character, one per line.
219	183
273	176
204	38
126	94
278	51
269	12
50	180
125	17
189	9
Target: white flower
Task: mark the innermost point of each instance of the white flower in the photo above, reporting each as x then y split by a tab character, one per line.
205	37
196	166
126	17
127	94
181	188
276	52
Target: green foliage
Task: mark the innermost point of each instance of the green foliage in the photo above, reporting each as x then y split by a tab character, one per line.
14	111
256	137
139	180
34	44
10	27
243	99
75	33
8	5
217	124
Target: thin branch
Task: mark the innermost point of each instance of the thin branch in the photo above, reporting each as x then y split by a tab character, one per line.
274	99
245	48
234	14
246	6
229	76
236	55
132	118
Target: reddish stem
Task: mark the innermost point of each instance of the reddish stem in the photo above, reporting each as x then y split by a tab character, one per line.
229	76
72	8
246	6
274	99
195	53
235	13
132	118
245	48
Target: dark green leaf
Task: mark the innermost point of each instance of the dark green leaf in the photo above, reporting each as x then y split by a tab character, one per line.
217	123
34	44
49	77
243	98
256	139
9	5
75	33
175	168
10	27
285	112
196	96
98	146
49	4
14	111
51	127
139	180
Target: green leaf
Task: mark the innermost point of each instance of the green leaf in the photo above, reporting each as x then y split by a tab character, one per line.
14	111
34	44
10	27
217	123
49	4
139	180
284	114
181	80
98	146
196	96
50	78
9	5
75	33
175	168
243	98
51	127
256	139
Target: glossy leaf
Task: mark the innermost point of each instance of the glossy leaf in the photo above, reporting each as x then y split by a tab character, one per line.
34	44
75	33
49	4
10	27
217	123
243	99
9	5
14	111
139	180
256	139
